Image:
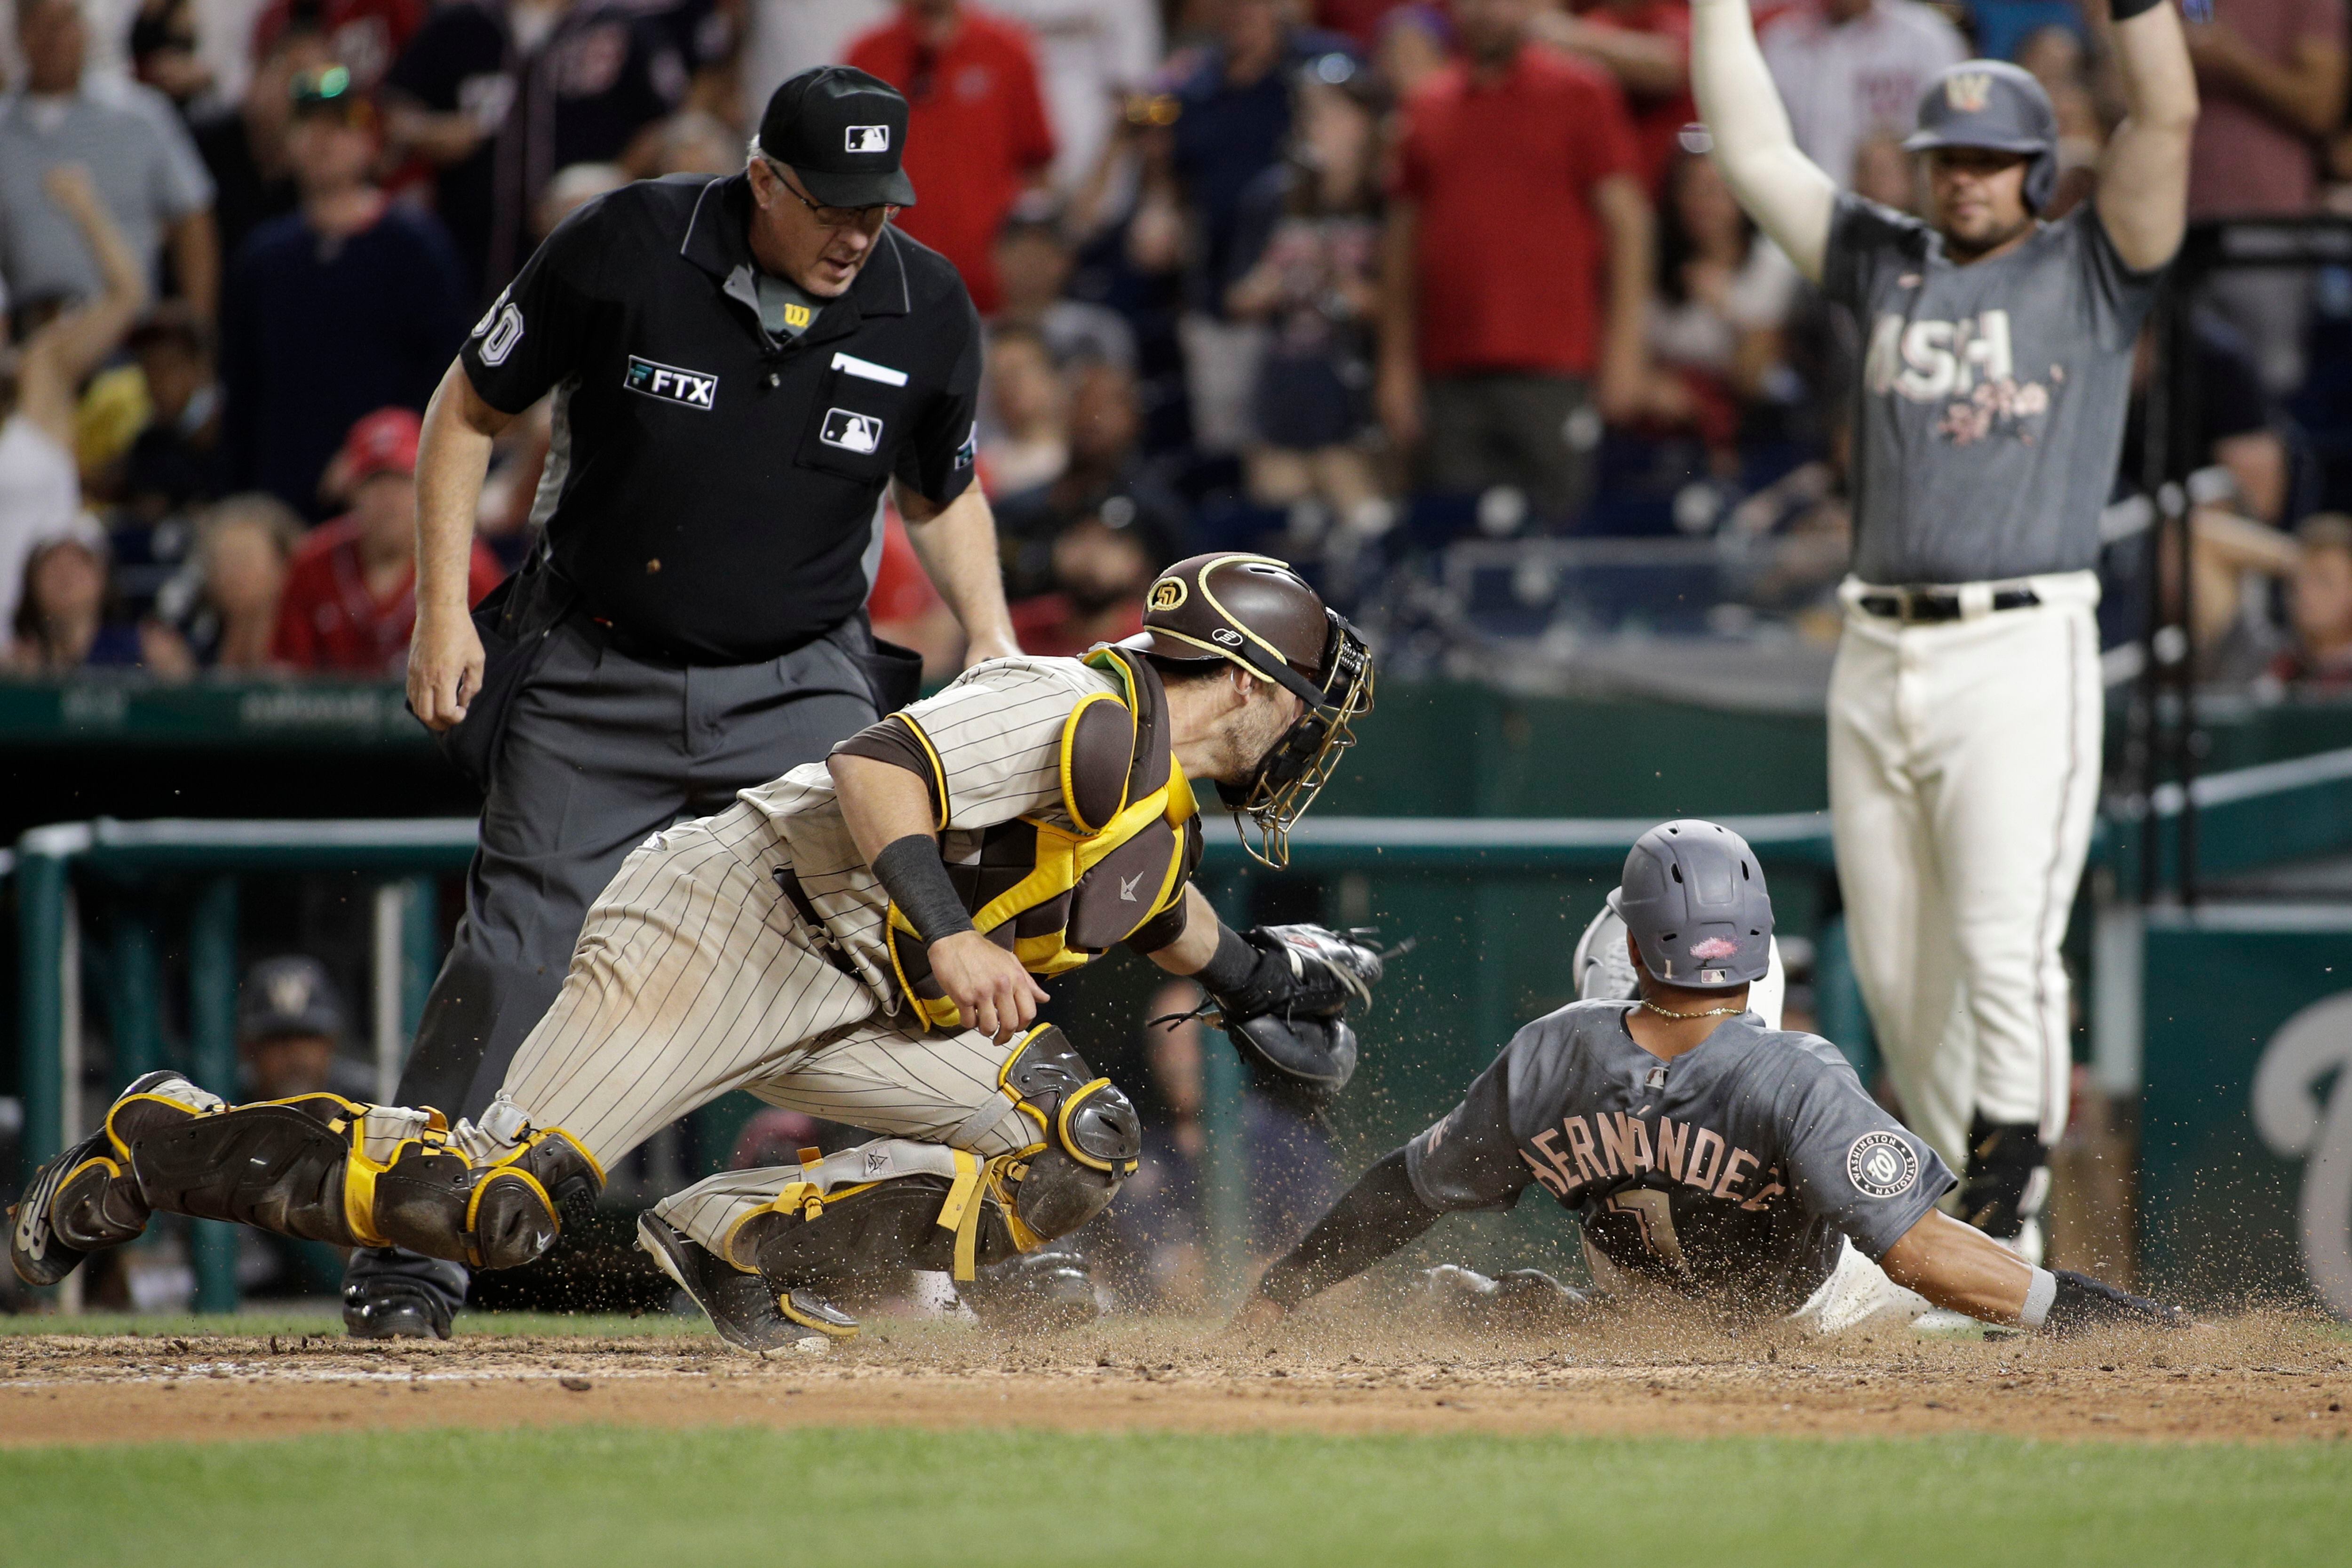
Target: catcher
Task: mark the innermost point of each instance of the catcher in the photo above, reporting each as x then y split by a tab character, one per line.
1714	1162
860	939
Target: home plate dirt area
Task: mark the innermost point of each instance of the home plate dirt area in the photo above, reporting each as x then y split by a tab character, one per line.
2258	1378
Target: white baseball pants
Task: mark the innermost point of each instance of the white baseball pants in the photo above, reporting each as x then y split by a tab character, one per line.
1964	768
693	976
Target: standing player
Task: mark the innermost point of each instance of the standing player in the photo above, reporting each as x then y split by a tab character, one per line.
856	940
1964	711
1712	1161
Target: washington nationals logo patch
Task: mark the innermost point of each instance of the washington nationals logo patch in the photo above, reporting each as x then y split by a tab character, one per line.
1882	1165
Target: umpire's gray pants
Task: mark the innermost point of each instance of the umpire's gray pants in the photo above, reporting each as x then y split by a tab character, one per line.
599	751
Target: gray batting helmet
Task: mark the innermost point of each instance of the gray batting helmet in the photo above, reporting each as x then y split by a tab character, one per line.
1995	105
1693	897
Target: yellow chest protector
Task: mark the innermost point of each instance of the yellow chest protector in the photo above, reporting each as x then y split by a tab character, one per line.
1058	897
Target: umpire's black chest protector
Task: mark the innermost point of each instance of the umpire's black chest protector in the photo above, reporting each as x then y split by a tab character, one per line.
714	490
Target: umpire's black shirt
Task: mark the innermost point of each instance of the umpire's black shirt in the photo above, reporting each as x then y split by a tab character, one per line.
712	491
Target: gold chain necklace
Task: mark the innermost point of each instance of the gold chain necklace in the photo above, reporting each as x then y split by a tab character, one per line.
1710	1012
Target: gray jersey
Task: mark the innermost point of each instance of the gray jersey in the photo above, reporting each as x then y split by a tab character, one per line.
1729	1174
1991	396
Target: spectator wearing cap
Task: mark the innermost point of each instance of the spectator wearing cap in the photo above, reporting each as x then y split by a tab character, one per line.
365	35
976	130
1490	367
1102	564
244	145
497	95
751	363
1853	69
130	139
350	601
289	1034
1034	259
353	303
1233	109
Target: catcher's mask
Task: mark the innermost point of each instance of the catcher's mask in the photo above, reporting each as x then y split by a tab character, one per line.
1255	611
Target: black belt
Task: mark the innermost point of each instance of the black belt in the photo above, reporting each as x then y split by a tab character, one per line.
656	651
1913	604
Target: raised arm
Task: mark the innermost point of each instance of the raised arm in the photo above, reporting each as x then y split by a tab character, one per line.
2143	197
57	357
1785	192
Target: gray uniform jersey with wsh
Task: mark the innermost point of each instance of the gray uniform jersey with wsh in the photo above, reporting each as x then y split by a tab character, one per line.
1991	399
1729	1174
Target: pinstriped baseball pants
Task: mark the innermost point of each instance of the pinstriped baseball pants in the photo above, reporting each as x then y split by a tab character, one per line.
693	976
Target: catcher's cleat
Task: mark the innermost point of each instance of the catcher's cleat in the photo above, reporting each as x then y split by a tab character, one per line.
748	1312
1041	1293
86	1199
382	1314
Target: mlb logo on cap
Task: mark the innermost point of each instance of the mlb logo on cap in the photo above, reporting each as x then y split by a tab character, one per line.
867	139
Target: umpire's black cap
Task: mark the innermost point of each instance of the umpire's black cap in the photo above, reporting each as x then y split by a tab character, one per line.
843	133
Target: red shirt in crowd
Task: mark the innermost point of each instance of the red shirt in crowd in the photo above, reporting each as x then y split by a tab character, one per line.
327	619
366	35
1508	247
1657	122
976	132
1049	626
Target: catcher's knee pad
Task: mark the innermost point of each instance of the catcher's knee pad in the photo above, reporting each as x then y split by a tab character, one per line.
322	1168
899	1204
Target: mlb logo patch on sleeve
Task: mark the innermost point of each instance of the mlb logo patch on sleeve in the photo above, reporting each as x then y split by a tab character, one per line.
671	384
859	433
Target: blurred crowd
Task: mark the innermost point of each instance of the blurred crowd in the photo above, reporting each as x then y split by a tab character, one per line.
1350	281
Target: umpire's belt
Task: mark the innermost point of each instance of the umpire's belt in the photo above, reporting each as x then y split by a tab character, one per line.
1916	604
663	655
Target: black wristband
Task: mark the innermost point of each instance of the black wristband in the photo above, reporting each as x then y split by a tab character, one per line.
2082	1302
917	879
2123	10
1230	967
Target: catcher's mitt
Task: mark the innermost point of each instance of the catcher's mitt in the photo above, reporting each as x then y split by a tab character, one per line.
1285	1018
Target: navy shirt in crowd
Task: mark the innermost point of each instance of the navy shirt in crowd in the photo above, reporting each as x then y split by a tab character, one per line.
607	70
315	333
1225	136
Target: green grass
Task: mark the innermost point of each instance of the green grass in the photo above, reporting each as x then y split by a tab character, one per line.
329	1319
583	1497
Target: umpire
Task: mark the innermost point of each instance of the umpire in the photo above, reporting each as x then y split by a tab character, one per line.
740	366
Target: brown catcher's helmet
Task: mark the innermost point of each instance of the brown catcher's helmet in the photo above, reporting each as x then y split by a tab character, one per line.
1256	612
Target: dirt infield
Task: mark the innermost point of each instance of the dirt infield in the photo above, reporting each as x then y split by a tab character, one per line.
2256	1379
